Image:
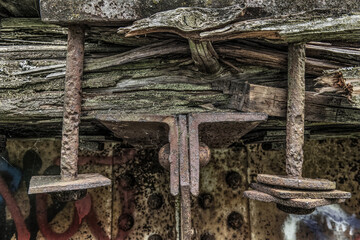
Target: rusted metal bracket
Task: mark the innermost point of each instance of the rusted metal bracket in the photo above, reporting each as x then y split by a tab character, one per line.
182	152
149	128
292	193
69	180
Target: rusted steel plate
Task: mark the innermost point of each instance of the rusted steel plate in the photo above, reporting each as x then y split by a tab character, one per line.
290	193
296	183
46	184
195	119
296	203
153	129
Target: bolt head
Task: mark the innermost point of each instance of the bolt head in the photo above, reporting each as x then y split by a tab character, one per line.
126	222
205	200
235	220
233	179
155	201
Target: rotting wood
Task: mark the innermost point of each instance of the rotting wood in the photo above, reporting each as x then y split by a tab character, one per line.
167	84
272	58
204	56
305	26
345	81
272	101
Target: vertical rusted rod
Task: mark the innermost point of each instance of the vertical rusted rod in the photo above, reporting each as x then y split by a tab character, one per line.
72	102
295	110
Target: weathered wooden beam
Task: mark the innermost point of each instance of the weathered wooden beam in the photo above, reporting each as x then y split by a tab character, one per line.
145	8
318	108
303	26
271	58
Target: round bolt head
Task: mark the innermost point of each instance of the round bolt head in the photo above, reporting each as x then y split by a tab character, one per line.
205	200
164	153
233	179
235	220
155	201
126	222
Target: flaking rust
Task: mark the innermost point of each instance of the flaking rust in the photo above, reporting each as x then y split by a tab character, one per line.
69	181
292	193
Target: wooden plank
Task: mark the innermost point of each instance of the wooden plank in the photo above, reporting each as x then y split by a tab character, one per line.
270	100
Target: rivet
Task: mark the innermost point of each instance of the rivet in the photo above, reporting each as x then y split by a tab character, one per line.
126	222
233	179
235	220
155	201
205	200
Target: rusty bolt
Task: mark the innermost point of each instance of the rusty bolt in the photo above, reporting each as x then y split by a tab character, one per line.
204	155
207	236
235	220
127	181
155	237
205	200
126	222
233	179
155	201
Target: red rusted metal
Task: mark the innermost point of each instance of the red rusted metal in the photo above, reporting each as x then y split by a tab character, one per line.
72	102
186	231
69	179
194	120
291	192
116	123
296	183
204	155
295	122
22	231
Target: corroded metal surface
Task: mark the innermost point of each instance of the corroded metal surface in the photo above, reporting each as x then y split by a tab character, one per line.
291	193
205	154
297	203
195	119
45	184
149	127
186	229
296	183
72	102
220	212
295	110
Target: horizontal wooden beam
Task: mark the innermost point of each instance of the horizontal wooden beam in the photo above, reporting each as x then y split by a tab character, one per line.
273	101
